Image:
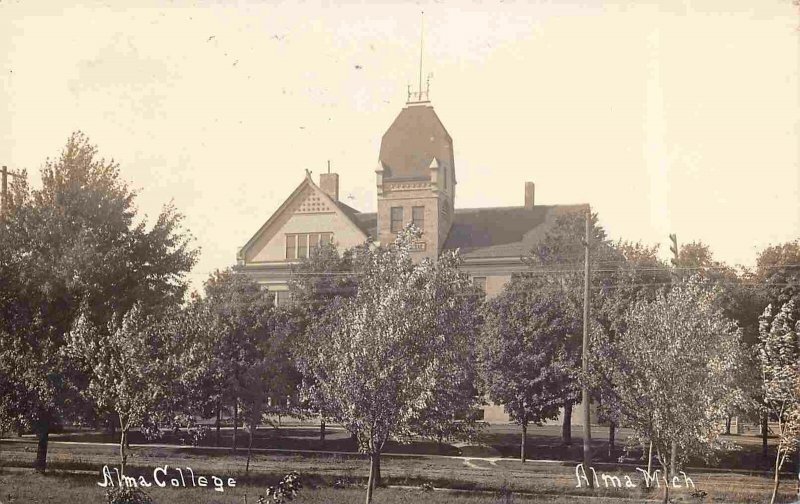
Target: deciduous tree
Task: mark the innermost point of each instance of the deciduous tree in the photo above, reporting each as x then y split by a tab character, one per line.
325	275
132	366
76	242
671	371
528	355
378	359
779	355
560	255
630	271
243	351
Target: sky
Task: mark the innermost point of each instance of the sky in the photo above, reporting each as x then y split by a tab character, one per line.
666	117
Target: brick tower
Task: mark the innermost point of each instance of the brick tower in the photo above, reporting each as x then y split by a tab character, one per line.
416	177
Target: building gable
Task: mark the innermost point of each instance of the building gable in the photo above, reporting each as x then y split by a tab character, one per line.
308	210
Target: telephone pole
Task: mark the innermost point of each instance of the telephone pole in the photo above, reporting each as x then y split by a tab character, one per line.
587	425
675	278
4	189
675	252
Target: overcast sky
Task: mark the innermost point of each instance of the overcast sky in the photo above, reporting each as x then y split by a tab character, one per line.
678	116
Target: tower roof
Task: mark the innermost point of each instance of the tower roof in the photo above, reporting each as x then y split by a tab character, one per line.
415	138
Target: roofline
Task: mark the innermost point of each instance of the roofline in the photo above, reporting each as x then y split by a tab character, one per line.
447	133
240	255
490	260
273	217
521	207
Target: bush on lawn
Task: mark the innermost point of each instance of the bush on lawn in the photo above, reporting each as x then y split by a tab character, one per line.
127	495
286	490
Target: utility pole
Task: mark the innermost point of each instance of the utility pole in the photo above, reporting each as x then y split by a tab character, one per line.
4	189
587	421
675	278
675	252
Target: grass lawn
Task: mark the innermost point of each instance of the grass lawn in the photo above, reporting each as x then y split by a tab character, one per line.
76	465
31	488
540	481
498	440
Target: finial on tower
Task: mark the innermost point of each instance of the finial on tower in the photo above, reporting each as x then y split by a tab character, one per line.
420	96
428	86
421	35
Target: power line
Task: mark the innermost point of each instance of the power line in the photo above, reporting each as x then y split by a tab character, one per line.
535	271
556	268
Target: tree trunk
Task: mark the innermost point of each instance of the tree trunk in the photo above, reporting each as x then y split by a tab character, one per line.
673	455
376	481
322	431
666	486
777	481
523	445
219	408
235	421
370	481
764	435
566	426
112	426
250	448
611	432
123	454
797	470
650	459
40	465
728	425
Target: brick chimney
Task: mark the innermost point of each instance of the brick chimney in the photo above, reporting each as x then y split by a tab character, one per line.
529	191
329	183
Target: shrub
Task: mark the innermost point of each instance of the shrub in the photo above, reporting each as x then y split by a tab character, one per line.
127	495
284	491
344	482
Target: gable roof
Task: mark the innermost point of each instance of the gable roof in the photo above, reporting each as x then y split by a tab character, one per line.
362	220
340	208
369	223
503	231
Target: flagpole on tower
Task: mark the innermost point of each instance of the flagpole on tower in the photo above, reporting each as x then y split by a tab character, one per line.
421	35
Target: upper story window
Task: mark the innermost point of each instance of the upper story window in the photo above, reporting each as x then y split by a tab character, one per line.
396	216
300	245
291	246
418	217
